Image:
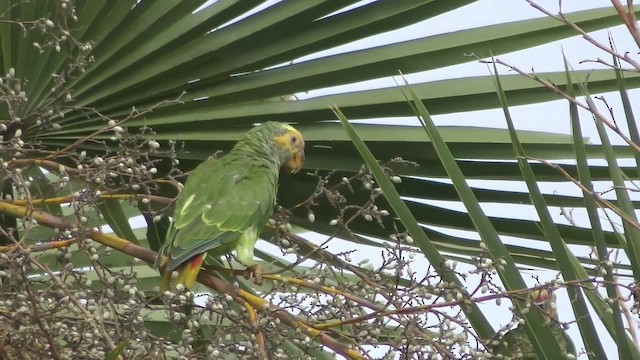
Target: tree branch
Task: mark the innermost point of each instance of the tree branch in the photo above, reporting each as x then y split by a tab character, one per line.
205	278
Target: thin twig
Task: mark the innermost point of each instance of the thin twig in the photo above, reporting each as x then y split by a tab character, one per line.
204	277
599	199
590	106
628	17
132	115
560	17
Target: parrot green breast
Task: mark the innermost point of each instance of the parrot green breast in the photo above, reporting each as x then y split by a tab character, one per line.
225	203
520	346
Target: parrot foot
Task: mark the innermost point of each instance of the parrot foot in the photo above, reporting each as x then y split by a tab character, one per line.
254	273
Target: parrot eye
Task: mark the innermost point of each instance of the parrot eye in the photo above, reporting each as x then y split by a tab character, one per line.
293	139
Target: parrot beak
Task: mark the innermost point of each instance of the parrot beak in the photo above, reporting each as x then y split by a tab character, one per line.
294	164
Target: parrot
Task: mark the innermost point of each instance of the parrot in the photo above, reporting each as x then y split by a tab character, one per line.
227	201
517	340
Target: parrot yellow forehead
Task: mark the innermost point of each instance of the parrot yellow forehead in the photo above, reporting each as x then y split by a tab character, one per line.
540	296
291	141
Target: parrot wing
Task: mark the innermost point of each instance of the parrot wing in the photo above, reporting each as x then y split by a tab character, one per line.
219	204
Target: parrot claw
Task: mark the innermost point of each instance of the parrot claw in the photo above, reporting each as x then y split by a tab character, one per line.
254	273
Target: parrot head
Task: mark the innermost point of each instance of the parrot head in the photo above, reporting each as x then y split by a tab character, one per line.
290	143
546	300
278	141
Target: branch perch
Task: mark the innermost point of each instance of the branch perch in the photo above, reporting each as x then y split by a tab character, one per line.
240	296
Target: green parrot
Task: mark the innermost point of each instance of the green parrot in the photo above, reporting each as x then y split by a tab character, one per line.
517	340
226	202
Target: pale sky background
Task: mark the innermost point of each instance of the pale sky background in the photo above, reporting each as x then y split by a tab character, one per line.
550	116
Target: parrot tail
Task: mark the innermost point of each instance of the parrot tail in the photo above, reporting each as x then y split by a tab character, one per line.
187	273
